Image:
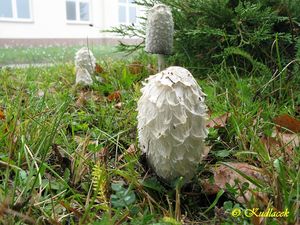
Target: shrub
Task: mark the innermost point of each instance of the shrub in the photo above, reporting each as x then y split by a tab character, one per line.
209	32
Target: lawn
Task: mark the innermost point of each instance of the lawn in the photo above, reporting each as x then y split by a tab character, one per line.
70	155
51	54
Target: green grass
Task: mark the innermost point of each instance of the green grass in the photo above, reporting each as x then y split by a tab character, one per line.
52	139
51	54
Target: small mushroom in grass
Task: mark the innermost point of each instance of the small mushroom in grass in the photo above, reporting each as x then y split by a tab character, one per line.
172	123
83	77
159	33
85	64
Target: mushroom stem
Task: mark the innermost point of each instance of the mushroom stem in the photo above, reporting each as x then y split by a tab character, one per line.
161	62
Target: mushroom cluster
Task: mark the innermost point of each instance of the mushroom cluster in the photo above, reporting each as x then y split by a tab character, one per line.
159	33
172	123
85	64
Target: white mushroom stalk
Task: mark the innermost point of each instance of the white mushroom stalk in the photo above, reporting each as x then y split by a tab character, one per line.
85	64
83	77
159	33
172	123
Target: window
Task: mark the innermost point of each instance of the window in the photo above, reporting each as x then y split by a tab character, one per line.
78	10
127	11
15	10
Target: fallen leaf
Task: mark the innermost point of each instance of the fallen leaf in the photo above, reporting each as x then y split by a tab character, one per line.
81	155
135	67
58	158
199	56
258	220
131	150
98	68
206	151
99	79
272	145
281	144
95	96
209	188
115	96
288	122
151	69
2	116
290	140
297	110
103	155
75	211
40	93
218	122
81	100
287	142
119	105
225	175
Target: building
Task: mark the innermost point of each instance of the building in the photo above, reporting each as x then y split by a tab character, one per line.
25	22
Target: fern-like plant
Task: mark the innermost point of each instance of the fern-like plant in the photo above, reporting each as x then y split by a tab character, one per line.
100	181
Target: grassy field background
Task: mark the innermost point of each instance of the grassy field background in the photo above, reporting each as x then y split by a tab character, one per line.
69	155
51	54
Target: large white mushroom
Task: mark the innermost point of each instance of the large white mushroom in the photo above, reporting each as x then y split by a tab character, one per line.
172	123
85	64
159	33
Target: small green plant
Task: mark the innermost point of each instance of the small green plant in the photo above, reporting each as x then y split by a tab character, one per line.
122	197
100	183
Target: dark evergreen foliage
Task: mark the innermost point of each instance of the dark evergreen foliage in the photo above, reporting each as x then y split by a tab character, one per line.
241	33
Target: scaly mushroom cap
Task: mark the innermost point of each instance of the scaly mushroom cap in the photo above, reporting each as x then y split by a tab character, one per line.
85	59
159	30
83	77
172	123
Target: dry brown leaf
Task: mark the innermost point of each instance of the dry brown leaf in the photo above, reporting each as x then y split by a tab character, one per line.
81	100
290	140
281	144
98	68
218	122
257	220
131	150
272	145
297	110
2	116
206	151
288	122
135	68
224	174
209	188
96	97
151	69
115	96
103	155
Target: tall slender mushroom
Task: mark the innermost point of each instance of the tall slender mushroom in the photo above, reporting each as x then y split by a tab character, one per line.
172	123
159	33
85	64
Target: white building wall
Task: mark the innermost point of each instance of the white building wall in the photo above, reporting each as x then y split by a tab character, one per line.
49	21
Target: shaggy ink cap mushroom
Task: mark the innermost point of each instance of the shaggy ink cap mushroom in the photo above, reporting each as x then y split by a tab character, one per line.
83	77
85	64
172	123
85	59
159	32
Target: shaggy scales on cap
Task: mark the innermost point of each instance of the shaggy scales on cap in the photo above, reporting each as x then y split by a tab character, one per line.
172	123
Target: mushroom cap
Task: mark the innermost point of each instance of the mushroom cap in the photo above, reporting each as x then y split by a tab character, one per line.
85	59
159	30
172	123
